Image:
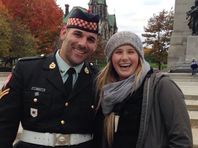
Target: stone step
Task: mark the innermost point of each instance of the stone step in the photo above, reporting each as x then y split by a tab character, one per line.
177	74
191	97
185	80
183	77
187	83
194	125
195	137
189	89
193	118
192	105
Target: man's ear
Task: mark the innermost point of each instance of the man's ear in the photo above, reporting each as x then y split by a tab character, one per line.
63	32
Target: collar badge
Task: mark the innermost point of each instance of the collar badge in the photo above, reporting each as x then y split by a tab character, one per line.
86	70
52	65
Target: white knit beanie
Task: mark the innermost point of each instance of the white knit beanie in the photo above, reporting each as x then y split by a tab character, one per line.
122	38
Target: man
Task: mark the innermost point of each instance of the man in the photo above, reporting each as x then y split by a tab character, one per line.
38	95
194	67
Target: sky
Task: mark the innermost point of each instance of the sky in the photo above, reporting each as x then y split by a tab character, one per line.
131	15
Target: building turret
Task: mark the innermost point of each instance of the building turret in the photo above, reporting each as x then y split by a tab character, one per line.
66	9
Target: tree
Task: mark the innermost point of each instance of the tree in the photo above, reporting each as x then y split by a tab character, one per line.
5	31
157	35
22	41
16	39
98	57
42	17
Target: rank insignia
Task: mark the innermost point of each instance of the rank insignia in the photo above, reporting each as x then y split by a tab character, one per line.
52	65
7	80
4	92
33	112
86	70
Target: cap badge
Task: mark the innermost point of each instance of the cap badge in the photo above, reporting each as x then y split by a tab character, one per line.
86	70
52	65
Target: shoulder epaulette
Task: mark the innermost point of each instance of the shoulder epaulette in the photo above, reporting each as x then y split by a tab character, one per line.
32	58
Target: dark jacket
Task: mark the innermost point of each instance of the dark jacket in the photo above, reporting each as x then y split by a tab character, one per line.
155	116
38	99
164	119
194	65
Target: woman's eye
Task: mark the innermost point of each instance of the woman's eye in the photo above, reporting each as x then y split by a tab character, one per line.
118	52
131	51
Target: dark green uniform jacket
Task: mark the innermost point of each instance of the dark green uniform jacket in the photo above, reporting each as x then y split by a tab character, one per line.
38	99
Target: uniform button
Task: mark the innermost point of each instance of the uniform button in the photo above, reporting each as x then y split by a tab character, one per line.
35	100
66	103
62	122
92	106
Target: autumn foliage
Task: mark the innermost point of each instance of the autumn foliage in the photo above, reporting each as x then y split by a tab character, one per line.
5	30
157	35
42	17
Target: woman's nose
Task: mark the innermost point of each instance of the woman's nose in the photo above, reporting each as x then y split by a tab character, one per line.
124	55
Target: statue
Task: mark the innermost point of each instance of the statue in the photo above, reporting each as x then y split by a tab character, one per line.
192	17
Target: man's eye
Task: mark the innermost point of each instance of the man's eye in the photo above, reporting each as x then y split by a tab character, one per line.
77	34
91	40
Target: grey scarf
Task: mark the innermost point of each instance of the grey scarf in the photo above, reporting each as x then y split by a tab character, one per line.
116	92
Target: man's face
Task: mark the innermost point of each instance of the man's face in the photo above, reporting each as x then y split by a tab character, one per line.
77	45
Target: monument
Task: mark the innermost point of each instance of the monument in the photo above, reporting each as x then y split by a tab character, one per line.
184	39
192	16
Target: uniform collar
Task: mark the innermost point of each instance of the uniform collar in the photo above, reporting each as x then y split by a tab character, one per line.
63	66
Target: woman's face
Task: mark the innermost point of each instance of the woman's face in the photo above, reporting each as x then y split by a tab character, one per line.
125	61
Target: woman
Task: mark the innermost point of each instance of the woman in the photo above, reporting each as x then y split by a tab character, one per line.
142	109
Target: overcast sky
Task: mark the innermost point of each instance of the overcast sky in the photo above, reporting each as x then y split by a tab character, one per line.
131	15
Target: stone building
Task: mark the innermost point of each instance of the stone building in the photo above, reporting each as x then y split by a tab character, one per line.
107	24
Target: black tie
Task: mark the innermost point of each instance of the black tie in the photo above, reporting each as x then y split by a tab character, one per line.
68	84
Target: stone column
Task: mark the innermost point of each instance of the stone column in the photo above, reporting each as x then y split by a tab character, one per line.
192	48
178	55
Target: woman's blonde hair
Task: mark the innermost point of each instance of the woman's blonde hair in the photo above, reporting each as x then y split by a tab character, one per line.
108	75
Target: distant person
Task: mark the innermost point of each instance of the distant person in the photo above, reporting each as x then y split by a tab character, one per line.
53	96
194	67
142	109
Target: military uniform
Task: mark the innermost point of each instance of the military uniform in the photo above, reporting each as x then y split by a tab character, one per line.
36	97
